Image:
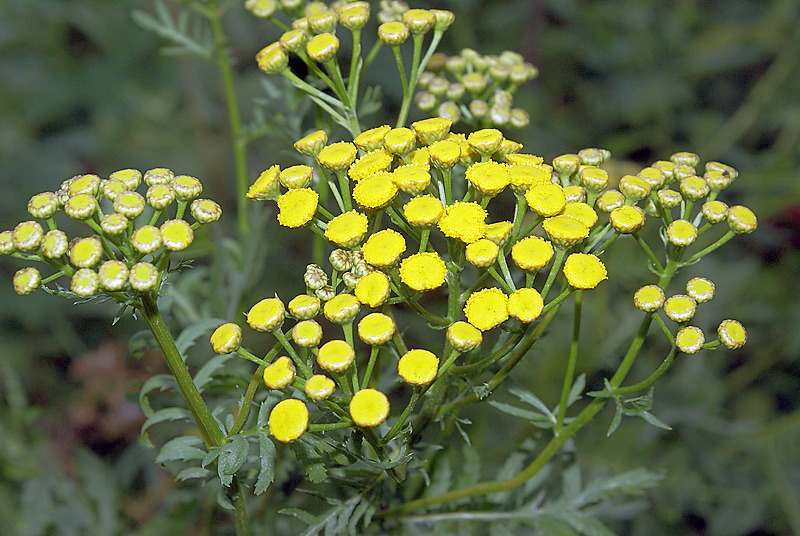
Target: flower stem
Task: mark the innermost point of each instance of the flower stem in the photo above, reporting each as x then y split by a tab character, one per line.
569	375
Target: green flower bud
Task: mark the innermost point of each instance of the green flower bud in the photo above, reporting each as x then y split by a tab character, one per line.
26	280
27	235
54	244
143	276
205	210
393	33
158	176
81	206
85	282
43	205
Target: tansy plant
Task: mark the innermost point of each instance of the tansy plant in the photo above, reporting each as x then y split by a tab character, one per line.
432	293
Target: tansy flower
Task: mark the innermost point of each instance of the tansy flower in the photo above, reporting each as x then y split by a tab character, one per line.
584	271
649	298
26	280
296	177
700	288
266	186
84	184
593	179
114	224
86	252
54	244
418	367
690	339
681	233
489	178
112	188
304	307
634	188
205	210
335	356
694	188
741	220
297	207
499	232
421	157
146	239
376	329
177	235
81	206
680	308
546	200
412	178
581	212
487	308
393	33
384	248
322	48
653	176
431	130
525	305
113	275
574	194
482	253
372	139
160	196
280	373
732	334
374	192
369	408
423	271
715	211
485	141
131	178
341	309
337	156
528	159
444	154
372	162
7	246
266	315
532	253
85	282
373	289
399	141
226	338
186	187
312	144
609	200
27	235
627	219
288	420
564	231
319	387
523	177
307	333
567	164
354	16
669	199
158	176
464	221
143	276
348	229
423	211
43	205
463	336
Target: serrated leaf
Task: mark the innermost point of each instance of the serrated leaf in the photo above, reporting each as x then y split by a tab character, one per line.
311	462
441	478
302	515
162	382
232	456
532	400
213	454
267	455
182	448
359	513
140	342
191	473
163	415
469	470
191	333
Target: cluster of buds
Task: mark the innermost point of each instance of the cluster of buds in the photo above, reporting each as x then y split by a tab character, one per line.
132	235
474	89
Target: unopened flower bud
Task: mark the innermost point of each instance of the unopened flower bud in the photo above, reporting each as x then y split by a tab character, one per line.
741	220
325	293
85	282
315	277
634	188
681	171
732	334
143	276
293	41
442	19
354	16
690	339
591	157
27	235
304	307
400	141
7	246
84	184
680	308
715	211
312	144
160	196
131	178
653	177
43	205
649	298
114	224
112	188
478	108
158	176
81	206
627	219
566	164
694	188
54	244
610	200
324	22
669	199
323	47
393	33
474	83
129	204
341	309
266	315
419	21
146	239
205	210
226	339
519	118
351	280
717	179
687	158
112	275
261	8
26	280
700	288
340	260
681	233
186	187
593	179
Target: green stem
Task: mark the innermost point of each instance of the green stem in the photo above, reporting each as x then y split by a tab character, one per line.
560	252
255	381
325	427
401	420
417	68
650	254
703	252
647	382
373	357
569	375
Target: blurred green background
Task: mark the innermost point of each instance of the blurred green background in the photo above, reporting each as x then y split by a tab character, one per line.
84	89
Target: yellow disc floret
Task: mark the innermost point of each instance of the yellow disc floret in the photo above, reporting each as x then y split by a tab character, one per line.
297	207
581	212
372	162
564	231
423	271
523	177
384	248
226	338
373	289
532	253
280	373
375	191
584	271
288	420
482	253
369	408
463	336
464	221
376	329
412	178
372	139
418	367
423	211
307	333
335	356
690	339
348	229
319	387
546	199
489	178
680	308
304	307
487	308
341	309
732	334
266	315
337	156
525	305
176	235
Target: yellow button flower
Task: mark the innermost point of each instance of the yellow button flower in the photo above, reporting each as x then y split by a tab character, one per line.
280	373
7	246
113	275
26	281
322	48
146	239
307	333
369	408
186	187
581	212
444	154
669	199
485	141
312	144
54	244
376	329
341	309
335	356
337	156
348	229
732	334
421	157
131	178
296	177
375	192
272	58
627	219
653	176
522	158
680	308
393	33
129	204
690	339
372	139
176	235
487	308
523	177
681	233
86	252
424	211
304	307
649	298
412	178
384	248
297	207
372	162
546	200
431	130
532	253
226	338
700	288
85	282
373	289
84	184
564	231
418	21
499	232
715	211
266	315
158	176
319	387
112	188
610	200
143	276
593	179
27	235
43	205
464	221
423	271
354	16
463	336
114	224
418	367
741	220
584	271
525	305
399	141
288	420
634	188
482	253
81	206
489	178
160	196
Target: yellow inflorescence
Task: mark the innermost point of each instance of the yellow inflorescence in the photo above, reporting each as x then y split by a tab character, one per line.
297	207
532	253
375	191
423	211
423	271
373	289
337	156
348	229
489	178
335	356
564	231
546	200
384	248
463	336
482	253
226	338
369	408
266	315
319	387
288	420
584	271
487	308
280	373
525	305
370	163
464	221
524	177
418	367
376	329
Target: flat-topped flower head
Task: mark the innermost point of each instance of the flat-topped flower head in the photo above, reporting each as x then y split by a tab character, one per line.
226	339
431	130
666	167
732	334
593	179
280	373
369	408
546	200
338	156
373	289
499	232
354	16
524	158
312	144
205	210
485	141
266	315
323	47
680	308
272	58
113	275
393	33
347	230
335	356
609	200
669	199
487	308
681	171
84	282
158	176
114	224
412	178
627	219
464	221
296	176
418	367
261	8
424	211
575	194
186	187
293	40
694	188
701	289
564	231
715	211
373	162
384	248
482	253
112	188
307	333
489	178
423	271
7	246
584	271
690	339
341	309
581	212
419	21
463	336
131	178
649	298
143	276
267	185
84	184
372	139
297	207
525	305
54	244
375	192
741	220
717	180
567	164
323	21
400	141
634	188
176	235
376	329
653	177
288	420
160	196
685	157
524	177
26	280
304	307
85	252
319	387
146	239
444	154
43	205
27	236
681	233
